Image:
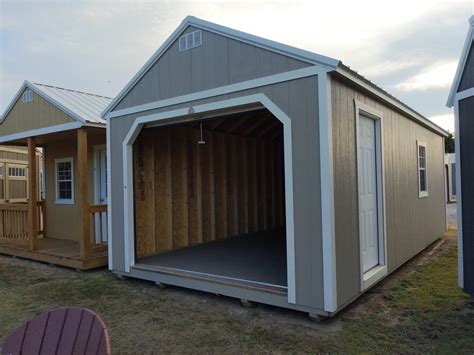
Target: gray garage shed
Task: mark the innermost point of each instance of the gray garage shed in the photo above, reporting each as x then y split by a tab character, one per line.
461	97
248	168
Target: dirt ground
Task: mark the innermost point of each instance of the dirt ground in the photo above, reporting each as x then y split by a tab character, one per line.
417	309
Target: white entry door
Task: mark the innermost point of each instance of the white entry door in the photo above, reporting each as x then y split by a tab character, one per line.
101	193
367	173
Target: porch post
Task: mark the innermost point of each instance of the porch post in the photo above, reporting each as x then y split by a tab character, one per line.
33	195
83	192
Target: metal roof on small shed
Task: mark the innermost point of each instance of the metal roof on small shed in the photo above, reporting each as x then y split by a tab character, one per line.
81	106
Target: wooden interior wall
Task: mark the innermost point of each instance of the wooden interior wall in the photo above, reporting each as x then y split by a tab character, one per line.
187	193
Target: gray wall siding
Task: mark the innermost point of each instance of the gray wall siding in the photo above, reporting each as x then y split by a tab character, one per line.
412	223
219	61
466	129
298	99
467	78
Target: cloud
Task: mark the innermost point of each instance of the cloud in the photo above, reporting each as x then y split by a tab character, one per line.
437	76
98	45
387	67
445	121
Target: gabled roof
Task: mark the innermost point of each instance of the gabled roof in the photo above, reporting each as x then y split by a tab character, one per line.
81	106
300	54
293	52
462	62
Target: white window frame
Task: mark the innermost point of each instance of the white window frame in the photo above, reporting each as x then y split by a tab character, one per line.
64	201
422	194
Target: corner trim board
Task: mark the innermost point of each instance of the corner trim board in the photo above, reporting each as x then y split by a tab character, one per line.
109	197
327	193
460	240
183	115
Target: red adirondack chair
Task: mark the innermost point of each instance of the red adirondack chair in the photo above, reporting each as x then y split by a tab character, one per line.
60	331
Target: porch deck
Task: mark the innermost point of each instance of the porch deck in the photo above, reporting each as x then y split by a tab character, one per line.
55	251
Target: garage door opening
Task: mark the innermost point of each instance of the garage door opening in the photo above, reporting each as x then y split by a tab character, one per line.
210	200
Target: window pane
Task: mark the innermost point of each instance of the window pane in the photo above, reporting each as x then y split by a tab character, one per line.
421	151
65	190
422	180
421	162
64	171
64	180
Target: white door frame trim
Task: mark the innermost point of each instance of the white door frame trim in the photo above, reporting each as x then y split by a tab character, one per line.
370	277
198	112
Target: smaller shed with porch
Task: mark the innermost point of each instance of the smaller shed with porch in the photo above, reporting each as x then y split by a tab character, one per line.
66	225
461	97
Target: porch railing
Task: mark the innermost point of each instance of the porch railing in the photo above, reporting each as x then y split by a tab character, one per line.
99	216
14	223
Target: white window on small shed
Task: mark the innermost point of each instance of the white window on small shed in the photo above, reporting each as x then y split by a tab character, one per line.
422	170
27	96
64	181
190	40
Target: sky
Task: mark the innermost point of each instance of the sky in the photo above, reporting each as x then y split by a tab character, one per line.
409	48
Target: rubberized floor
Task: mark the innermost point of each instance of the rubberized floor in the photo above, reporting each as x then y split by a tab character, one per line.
258	257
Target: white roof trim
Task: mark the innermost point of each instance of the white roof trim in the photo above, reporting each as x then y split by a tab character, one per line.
462	63
303	55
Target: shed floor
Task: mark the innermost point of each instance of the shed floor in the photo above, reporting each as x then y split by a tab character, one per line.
258	258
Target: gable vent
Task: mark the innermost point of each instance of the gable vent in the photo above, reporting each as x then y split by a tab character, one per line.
27	96
190	40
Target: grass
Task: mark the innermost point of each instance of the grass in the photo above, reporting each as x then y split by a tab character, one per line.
418	309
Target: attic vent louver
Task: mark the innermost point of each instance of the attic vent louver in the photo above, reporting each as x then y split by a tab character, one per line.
190	40
27	96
